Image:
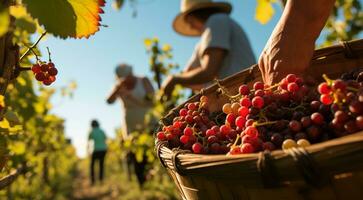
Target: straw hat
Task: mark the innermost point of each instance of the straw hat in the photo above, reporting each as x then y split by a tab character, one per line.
187	6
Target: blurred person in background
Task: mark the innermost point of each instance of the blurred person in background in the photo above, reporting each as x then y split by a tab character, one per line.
289	48
98	137
135	94
223	49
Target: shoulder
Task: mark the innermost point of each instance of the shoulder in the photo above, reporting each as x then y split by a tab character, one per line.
219	17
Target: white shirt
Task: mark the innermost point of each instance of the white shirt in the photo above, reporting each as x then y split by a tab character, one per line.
223	32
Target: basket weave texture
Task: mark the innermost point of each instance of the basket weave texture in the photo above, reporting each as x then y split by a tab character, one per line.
328	170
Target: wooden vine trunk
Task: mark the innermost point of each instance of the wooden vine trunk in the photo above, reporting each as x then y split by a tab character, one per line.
9	54
324	171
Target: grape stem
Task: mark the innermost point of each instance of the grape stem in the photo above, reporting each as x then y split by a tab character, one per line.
33	46
352	89
50	59
236	141
255	124
30	49
327	79
226	93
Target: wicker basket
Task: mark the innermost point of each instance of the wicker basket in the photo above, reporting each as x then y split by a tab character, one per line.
328	170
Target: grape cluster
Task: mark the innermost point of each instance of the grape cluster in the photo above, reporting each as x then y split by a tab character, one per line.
292	113
194	130
346	101
45	72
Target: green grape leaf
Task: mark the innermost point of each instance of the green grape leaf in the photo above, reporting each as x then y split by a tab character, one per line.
12	118
264	11
4	20
67	18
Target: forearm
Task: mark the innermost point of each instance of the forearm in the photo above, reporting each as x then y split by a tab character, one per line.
195	77
304	18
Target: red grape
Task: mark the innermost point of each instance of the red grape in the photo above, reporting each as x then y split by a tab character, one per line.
189	119
231	118
295	126
249	122
192	106
292	87
44	67
341	116
212	139
290	78
356	107
257	102
183	112
247	148
359	122
184	139
245	102
52	71
317	118
197	147
210	132
326	99
351	126
225	129
251	131
161	136
305	122
36	68
324	88
339	85
258	86
277	139
283	84
40	76
240	122
243	111
235	150
244	90
259	93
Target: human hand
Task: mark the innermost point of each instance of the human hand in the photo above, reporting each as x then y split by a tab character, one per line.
168	86
282	55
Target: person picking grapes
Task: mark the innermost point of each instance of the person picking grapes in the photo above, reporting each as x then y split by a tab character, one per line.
98	137
135	94
291	44
223	49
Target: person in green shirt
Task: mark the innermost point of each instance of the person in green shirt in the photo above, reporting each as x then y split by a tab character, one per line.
99	149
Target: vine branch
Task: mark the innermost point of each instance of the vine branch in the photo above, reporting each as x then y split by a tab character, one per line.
9	179
34	45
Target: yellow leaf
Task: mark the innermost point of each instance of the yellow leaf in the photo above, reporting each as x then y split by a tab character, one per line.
21	81
166	47
4	124
147	42
18	11
67	18
2	101
264	11
4	20
17	148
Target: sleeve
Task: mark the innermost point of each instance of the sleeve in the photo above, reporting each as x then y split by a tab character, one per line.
217	33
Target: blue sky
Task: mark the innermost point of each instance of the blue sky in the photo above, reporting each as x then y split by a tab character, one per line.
91	62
